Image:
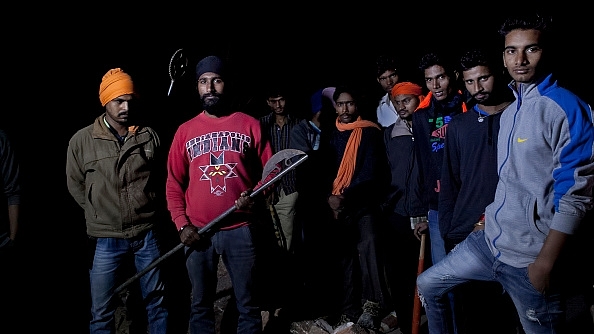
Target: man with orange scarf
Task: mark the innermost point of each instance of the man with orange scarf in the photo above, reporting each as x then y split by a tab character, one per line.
361	177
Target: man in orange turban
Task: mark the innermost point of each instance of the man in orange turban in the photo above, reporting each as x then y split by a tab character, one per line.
404	207
110	171
115	83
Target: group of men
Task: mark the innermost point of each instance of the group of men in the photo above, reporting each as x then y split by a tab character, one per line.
500	192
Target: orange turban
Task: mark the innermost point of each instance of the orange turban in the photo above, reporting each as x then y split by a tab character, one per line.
115	83
406	88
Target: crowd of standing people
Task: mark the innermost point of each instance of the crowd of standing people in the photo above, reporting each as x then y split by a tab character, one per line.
491	160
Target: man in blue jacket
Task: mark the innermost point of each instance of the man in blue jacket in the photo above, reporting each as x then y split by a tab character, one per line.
545	162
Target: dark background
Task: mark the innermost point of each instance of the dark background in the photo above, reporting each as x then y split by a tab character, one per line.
55	57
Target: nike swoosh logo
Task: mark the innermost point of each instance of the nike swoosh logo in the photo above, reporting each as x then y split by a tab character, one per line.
521	140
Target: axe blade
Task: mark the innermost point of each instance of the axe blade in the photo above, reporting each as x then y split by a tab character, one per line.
281	160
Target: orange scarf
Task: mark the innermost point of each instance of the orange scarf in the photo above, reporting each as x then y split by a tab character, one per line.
347	164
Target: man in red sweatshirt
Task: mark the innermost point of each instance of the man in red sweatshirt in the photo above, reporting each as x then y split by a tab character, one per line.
214	158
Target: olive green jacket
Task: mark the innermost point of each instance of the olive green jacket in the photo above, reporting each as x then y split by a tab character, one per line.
114	183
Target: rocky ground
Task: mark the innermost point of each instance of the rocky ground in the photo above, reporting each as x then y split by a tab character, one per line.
272	322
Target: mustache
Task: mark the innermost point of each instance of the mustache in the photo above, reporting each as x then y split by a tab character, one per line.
473	97
212	94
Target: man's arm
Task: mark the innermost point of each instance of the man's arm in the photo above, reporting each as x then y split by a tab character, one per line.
13	218
539	272
11	179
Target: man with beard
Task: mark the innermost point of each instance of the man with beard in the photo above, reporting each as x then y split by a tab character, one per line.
468	181
544	163
214	160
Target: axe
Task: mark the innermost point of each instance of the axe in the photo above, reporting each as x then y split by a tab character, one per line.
277	166
416	322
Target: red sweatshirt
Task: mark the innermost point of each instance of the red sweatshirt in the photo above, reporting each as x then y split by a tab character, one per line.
211	161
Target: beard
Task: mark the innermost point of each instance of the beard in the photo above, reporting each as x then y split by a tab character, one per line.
215	104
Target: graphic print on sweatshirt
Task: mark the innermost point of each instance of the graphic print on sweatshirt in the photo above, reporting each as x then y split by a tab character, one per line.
219	169
217	173
440	125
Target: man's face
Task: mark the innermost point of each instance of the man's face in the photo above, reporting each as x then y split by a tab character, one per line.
479	82
346	108
522	54
210	87
277	104
405	104
119	109
387	80
438	82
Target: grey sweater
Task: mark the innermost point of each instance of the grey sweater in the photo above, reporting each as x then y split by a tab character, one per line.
546	171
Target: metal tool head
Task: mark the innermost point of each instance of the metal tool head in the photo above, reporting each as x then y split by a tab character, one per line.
282	159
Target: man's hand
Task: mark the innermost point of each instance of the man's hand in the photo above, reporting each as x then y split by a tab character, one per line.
539	277
244	202
420	228
335	203
188	234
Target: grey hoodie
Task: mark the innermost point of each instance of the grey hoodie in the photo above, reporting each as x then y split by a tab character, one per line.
546	171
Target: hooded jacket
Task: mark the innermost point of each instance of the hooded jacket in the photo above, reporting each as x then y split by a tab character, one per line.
406	189
431	121
113	184
546	170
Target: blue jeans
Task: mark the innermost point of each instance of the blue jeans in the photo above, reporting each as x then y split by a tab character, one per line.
438	251
472	260
236	248
110	256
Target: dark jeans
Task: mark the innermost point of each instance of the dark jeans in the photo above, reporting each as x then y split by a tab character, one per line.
402	259
236	248
363	270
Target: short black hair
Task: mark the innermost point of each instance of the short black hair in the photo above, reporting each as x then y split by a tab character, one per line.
475	57
433	58
276	89
386	62
349	89
525	21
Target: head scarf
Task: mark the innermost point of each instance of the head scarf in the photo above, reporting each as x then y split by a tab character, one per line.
406	87
115	83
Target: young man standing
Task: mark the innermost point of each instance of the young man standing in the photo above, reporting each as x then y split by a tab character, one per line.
112	173
387	77
277	126
431	120
545	162
404	208
360	177
468	181
214	160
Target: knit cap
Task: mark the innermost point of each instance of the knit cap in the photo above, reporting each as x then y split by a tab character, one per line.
210	64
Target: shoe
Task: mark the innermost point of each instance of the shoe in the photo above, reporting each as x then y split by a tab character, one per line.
389	322
369	317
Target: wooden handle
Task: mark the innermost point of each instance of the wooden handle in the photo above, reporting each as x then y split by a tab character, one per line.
416	320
